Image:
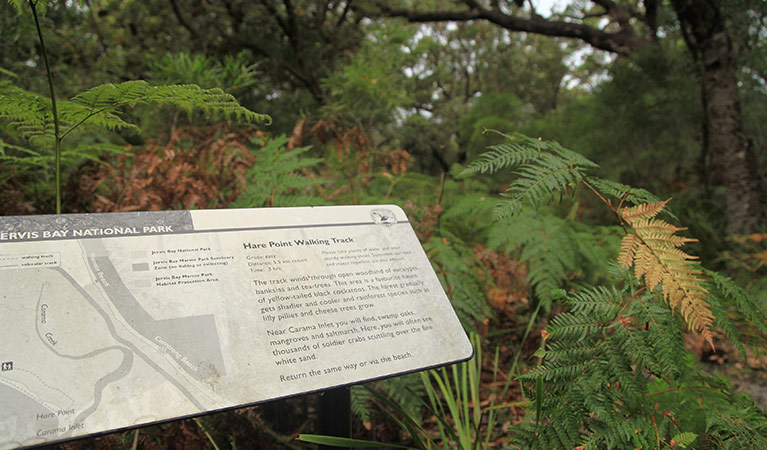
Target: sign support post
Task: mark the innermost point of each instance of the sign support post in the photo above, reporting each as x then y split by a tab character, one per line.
334	414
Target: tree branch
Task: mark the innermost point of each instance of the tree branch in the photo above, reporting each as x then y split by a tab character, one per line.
235	16
622	42
181	20
344	14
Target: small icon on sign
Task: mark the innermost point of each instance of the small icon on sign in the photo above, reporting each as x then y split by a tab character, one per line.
383	217
6	366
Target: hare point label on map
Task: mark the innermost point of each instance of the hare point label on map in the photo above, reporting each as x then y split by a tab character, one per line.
110	321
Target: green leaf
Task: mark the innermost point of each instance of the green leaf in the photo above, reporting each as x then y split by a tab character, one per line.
18	5
683	439
344	442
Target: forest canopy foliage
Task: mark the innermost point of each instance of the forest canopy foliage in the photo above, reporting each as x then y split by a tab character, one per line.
570	253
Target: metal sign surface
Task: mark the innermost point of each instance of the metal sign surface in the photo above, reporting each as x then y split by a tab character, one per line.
109	321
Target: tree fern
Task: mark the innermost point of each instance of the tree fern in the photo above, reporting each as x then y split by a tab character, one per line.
613	368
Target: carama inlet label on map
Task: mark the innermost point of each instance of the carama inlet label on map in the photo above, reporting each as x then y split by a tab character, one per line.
117	320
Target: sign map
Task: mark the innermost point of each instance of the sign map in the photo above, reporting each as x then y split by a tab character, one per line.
111	321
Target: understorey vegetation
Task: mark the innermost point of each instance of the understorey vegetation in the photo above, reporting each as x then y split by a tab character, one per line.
611	273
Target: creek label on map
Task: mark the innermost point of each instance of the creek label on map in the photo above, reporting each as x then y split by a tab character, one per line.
117	320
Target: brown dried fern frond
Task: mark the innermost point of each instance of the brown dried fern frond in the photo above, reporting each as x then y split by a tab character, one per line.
644	211
653	251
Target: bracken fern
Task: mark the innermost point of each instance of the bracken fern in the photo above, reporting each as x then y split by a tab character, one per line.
653	251
613	369
543	169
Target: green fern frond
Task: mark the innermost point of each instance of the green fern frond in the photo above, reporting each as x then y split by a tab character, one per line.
624	193
27	113
601	300
634	346
732	294
462	276
101	103
574	326
735	423
543	168
281	178
563	372
559	350
736	313
538	181
18	5
102	107
666	344
552	248
361	399
682	440
516	150
407	391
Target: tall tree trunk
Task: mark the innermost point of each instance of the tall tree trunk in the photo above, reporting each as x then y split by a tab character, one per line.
729	153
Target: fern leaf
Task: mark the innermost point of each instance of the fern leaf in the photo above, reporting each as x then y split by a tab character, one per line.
101	104
629	246
549	247
573	326
643	211
625	193
28	113
517	150
653	251
599	299
462	276
683	439
18	5
538	181
543	169
361	402
732	294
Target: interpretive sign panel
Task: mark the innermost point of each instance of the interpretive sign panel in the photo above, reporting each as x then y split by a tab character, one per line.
115	320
